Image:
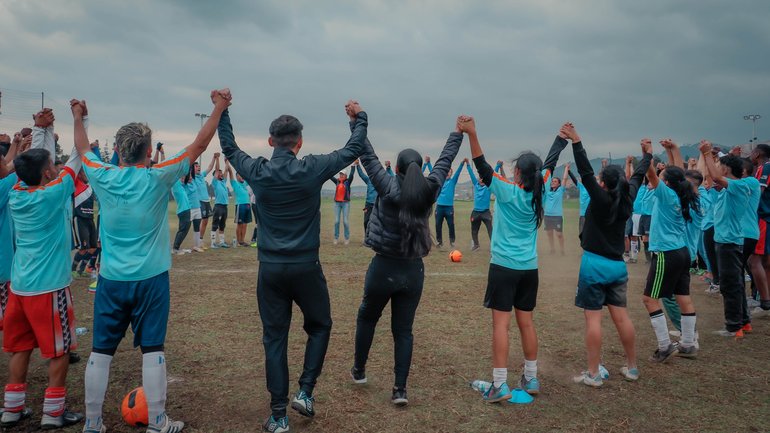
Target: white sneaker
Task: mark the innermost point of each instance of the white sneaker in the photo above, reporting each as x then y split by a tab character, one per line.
169	426
197	249
752	303
631	374
347	241
336	241
758	312
586	379
713	289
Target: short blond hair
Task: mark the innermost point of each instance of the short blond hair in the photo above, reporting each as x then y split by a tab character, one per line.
132	141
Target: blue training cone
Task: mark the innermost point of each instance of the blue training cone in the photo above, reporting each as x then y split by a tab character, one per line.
519	396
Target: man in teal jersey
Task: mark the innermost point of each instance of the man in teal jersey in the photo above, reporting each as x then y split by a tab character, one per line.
133	285
445	205
553	208
203	195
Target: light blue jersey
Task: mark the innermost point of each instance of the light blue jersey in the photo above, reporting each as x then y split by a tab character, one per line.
240	192
707	197
667	229
639	200
729	212
750	221
42	218
553	201
585	198
221	196
180	196
134	215
203	189
6	227
192	194
447	195
514	227
481	193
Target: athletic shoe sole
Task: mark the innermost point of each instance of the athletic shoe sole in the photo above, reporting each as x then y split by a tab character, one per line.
402	401
301	409
358	381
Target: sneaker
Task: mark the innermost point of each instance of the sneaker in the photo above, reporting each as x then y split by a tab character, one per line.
759	312
626	257
90	430
347	241
399	396
452	244
632	260
752	303
169	426
532	386
603	372
280	425
726	333
253	244
303	404
630	374
214	246
747	328
586	379
244	244
663	355
481	386
197	249
713	289
687	351
359	376
10	419
336	241
224	245
747	278
74	358
439	244
475	248
493	395
49	422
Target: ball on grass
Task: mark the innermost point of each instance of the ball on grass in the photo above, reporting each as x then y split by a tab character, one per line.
134	408
456	256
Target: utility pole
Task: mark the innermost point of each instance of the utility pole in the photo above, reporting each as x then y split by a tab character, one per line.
753	118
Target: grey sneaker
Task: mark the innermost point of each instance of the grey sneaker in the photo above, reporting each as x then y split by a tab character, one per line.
586	379
687	351
663	355
169	426
280	425
359	376
303	404
758	312
399	397
630	374
90	430
49	422
10	419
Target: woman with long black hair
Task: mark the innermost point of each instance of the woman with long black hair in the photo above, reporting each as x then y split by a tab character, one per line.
669	274
398	233
513	275
603	278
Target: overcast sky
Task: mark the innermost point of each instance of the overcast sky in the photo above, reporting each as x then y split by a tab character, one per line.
619	70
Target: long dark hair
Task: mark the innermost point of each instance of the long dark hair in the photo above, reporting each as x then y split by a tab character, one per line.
415	204
677	181
190	175
531	179
614	180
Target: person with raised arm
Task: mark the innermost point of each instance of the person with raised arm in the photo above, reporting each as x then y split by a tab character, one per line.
133	285
553	208
481	200
603	278
221	201
342	204
288	190
203	196
760	259
371	193
445	205
513	271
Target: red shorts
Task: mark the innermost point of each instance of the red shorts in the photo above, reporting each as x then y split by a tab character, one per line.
3	300
763	245
46	321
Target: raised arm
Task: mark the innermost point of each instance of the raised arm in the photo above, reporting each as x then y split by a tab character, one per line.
559	143
332	163
502	169
351	175
427	165
221	99
652	176
711	167
378	176
214	160
229	170
586	172
388	169
629	166
674	153
572	176
470	172
363	175
246	165
468	125
444	162
42	132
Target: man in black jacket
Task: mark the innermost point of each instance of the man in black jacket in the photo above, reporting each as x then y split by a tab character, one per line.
288	194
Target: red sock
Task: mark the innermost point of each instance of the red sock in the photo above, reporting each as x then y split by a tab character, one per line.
54	401
15	394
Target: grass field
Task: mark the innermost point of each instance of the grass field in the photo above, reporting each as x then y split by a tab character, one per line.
216	371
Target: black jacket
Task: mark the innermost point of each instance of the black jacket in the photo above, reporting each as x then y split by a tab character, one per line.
383	233
288	192
603	232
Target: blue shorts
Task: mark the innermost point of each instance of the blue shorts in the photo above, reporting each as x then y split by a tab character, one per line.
142	304
602	281
243	214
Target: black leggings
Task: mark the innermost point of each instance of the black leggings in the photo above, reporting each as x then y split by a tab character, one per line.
445	213
400	282
219	220
478	217
711	254
184	228
256	222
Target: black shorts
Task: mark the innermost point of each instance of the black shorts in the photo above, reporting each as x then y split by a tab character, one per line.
219	220
644	225
205	209
84	233
581	223
669	274
510	288
243	214
553	223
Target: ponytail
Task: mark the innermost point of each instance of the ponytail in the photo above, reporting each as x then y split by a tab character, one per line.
190	175
615	181
531	179
688	198
415	206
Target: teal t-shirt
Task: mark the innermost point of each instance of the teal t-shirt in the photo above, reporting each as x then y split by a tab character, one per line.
6	227
707	197
750	222
585	198
42	218
729	212
667	229
180	196
221	195
514	228
134	215
240	192
203	189
553	202
192	193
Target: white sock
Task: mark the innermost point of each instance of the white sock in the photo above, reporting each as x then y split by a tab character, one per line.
221	238
499	377
213	238
634	249
660	327
197	239
688	330
530	369
15	396
97	378
154	383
